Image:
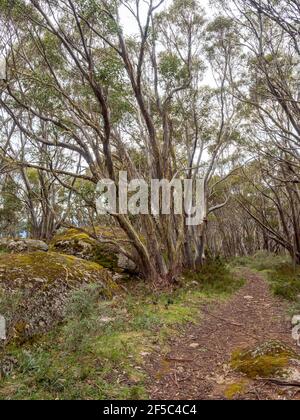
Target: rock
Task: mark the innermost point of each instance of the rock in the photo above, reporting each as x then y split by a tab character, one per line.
80	244
117	277
293	374
106	320
220	380
125	263
268	360
194	283
24	245
74	242
296	334
38	280
35	288
194	345
296	320
248	297
7	366
2	328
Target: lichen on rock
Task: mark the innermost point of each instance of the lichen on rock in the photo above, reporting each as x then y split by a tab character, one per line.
270	359
79	243
34	289
23	245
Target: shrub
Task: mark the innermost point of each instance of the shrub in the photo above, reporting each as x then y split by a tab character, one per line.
215	277
285	281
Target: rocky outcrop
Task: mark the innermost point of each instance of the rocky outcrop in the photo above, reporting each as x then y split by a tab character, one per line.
35	287
23	245
80	244
272	359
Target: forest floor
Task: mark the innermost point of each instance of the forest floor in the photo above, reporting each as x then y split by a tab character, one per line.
198	365
177	344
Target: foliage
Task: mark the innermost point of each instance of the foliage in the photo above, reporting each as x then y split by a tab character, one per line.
10	207
235	390
216	277
285	281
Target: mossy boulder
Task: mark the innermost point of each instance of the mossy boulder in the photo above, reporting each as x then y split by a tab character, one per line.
35	287
79	243
23	245
74	242
270	359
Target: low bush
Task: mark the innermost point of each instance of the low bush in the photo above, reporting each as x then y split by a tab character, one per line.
285	281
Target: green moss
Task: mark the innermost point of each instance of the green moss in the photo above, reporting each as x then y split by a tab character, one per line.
262	366
265	361
105	257
79	235
21	271
235	390
70	235
3	250
73	241
49	267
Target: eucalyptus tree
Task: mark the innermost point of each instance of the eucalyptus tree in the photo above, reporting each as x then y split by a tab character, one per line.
272	200
10	207
81	87
266	82
45	203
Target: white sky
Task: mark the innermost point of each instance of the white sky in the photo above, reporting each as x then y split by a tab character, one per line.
130	26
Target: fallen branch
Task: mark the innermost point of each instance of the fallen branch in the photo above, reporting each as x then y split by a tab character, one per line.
226	321
280	382
174	359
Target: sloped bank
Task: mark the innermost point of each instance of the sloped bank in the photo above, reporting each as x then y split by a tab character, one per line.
34	289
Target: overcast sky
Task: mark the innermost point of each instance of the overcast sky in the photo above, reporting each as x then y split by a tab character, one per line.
130	25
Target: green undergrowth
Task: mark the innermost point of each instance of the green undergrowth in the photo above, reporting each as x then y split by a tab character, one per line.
235	390
285	281
74	241
261	261
283	276
3	250
217	277
101	349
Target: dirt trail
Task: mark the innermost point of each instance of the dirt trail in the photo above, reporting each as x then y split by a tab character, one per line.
198	365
